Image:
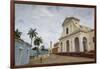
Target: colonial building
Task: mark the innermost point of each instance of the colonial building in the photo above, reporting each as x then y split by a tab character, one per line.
75	37
22	52
33	53
55	48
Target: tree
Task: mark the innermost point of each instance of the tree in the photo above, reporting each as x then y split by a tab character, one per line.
32	33
18	34
35	48
37	42
42	47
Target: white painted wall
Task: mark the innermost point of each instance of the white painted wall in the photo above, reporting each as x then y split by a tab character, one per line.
74	26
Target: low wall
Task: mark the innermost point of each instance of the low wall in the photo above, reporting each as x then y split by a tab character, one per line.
78	54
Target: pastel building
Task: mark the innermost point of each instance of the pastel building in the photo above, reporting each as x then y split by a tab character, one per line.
75	37
22	52
33	53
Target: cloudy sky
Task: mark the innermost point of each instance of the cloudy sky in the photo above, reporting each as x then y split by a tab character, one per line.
48	20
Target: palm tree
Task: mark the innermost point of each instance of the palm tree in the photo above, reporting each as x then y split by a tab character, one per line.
37	43
17	34
32	33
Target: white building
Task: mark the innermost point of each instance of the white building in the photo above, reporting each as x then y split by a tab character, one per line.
75	37
22	52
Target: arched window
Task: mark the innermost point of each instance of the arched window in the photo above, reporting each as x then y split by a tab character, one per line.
77	47
67	31
61	46
67	46
85	44
93	39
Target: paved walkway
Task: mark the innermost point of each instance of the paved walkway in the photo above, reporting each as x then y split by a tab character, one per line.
59	59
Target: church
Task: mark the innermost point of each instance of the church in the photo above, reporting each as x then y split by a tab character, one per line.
75	37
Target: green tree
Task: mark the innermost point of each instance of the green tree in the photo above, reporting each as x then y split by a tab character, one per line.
37	42
42	47
32	33
17	34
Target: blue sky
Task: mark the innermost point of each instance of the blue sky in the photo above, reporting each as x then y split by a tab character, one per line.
48	20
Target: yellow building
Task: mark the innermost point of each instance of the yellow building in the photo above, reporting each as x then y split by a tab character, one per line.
75	37
55	48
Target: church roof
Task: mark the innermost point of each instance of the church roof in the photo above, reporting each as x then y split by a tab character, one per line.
85	28
70	18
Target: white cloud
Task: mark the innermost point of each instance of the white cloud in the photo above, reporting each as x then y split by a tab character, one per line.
48	19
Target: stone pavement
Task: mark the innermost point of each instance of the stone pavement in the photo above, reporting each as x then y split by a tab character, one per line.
59	59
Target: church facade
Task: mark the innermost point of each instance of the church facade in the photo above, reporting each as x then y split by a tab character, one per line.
76	37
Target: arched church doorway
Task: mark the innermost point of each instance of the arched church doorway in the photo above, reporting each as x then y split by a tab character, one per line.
61	46
85	44
67	46
77	47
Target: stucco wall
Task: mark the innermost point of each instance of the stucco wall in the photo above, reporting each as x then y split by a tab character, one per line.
71	42
92	43
72	27
22	53
41	52
73	32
